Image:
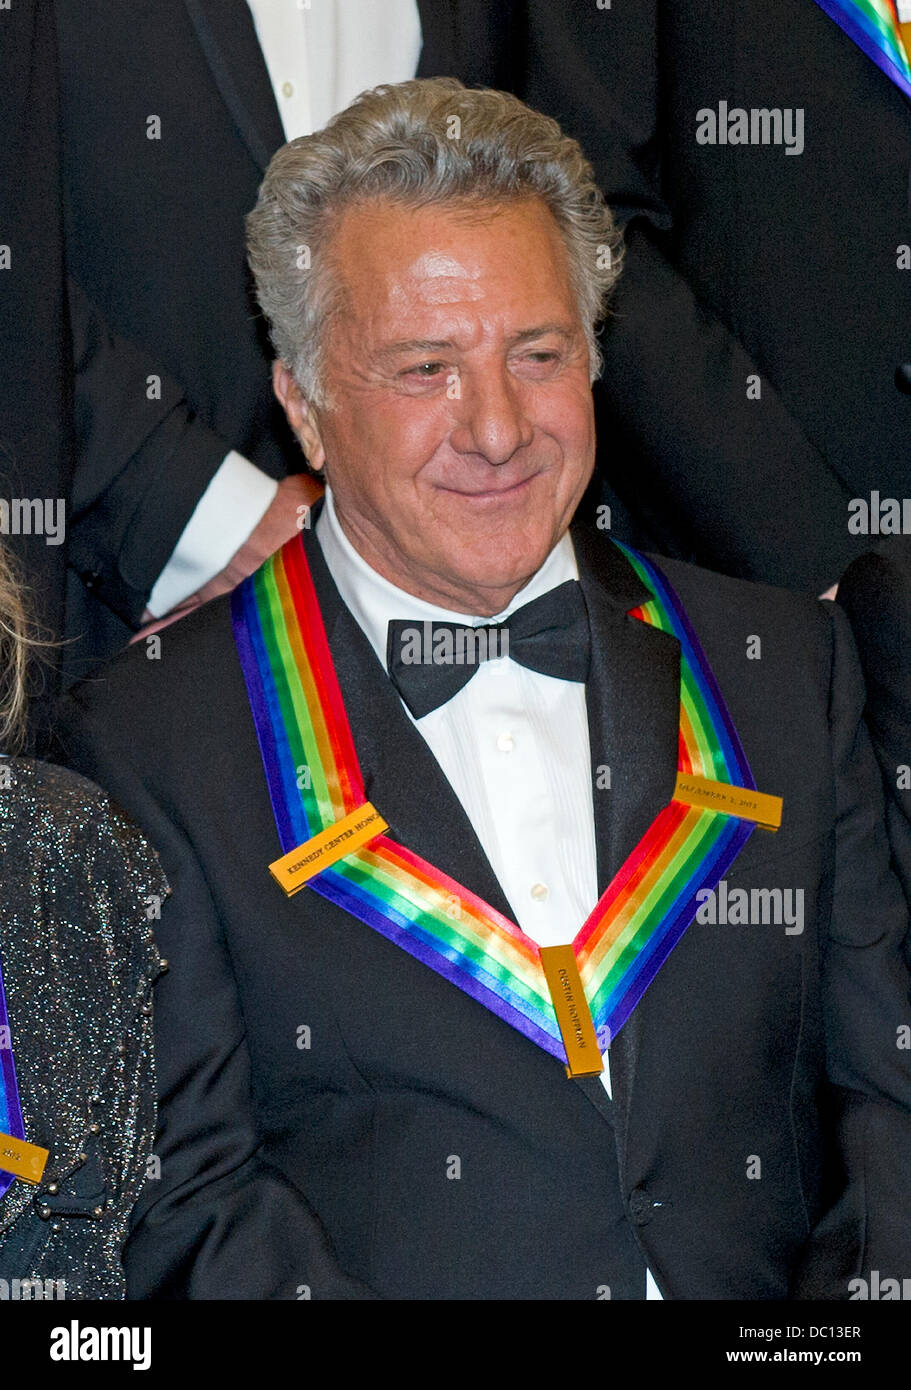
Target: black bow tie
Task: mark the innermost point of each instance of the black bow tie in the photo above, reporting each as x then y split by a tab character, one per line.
429	662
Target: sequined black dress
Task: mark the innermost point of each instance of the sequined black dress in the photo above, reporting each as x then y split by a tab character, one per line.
79	893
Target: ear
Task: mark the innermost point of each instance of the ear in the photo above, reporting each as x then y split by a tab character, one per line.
300	415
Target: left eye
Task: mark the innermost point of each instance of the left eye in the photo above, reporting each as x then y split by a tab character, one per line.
425	369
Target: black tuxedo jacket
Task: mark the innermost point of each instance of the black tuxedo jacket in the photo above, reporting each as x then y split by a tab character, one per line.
36	446
742	261
156	254
316	1081
876	595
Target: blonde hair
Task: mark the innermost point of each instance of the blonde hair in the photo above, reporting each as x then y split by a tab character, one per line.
421	142
13	656
17	637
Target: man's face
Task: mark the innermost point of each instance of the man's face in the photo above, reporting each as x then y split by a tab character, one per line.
460	433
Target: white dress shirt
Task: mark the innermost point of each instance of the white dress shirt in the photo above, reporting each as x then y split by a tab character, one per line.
322	53
514	746
319	54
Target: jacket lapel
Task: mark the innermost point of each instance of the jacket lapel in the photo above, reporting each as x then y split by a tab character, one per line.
227	35
438	39
633	699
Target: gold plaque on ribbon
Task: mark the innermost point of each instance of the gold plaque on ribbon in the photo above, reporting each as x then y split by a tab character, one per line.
732	801
23	1160
573	1014
358	828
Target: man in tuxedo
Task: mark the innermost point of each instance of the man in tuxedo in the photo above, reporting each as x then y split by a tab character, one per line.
758	361
346	1111
170	113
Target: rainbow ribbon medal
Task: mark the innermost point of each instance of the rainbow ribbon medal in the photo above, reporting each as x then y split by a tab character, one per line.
11	1126
570	1000
873	26
18	1158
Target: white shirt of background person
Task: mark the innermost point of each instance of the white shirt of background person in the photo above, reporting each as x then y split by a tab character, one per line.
319	55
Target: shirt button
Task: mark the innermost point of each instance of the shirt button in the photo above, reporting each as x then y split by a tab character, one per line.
539	892
287	89
505	742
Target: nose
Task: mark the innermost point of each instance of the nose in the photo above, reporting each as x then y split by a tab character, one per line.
491	418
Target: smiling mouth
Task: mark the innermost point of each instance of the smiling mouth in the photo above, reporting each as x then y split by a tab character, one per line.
490	493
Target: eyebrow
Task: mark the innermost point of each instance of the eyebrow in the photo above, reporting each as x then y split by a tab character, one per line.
409	345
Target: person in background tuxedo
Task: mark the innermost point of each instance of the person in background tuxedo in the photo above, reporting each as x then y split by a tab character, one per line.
346	1112
36	427
757	365
170	113
876	595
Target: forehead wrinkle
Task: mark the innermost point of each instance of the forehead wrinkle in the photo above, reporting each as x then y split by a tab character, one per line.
446	282
440	278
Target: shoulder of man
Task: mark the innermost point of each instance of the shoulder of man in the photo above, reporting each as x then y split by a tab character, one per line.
153	679
166	723
725	593
765	637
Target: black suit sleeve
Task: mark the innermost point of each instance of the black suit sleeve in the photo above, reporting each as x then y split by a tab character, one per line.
867	1004
876	595
143	460
706	471
219	1221
714	471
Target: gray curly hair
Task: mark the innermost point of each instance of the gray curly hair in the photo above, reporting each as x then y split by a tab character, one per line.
420	142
